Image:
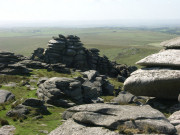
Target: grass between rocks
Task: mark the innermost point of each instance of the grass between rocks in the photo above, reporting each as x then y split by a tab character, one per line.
49	122
31	126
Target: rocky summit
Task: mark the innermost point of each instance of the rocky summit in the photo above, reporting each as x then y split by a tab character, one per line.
70	51
161	76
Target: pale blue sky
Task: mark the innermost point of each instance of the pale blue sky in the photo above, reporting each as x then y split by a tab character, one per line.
64	10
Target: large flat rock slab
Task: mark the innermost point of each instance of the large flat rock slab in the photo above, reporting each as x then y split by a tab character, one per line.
72	128
167	58
154	82
172	43
113	116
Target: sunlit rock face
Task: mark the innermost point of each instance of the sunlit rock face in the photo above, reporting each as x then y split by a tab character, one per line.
161	77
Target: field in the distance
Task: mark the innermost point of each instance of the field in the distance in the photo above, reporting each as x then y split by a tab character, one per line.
125	45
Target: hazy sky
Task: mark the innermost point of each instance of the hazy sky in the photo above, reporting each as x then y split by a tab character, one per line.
64	10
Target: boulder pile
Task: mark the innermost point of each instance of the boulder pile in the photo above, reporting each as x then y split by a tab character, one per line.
161	77
106	119
67	92
9	64
70	51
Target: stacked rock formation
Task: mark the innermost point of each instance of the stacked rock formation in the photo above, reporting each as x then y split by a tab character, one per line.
9	65
161	77
70	51
59	90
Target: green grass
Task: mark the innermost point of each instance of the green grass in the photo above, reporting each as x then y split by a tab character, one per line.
31	126
115	82
48	122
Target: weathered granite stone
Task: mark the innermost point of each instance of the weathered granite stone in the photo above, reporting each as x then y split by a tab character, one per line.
113	116
154	82
124	98
6	96
175	120
166	58
7	130
70	127
172	43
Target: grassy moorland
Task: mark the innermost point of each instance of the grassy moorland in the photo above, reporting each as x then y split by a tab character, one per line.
125	45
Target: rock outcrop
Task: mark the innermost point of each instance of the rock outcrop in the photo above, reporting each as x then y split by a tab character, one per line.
113	117
161	77
9	64
78	90
154	82
6	96
70	51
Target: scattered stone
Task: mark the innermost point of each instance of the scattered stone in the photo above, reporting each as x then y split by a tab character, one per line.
91	74
121	78
33	81
6	96
11	84
20	111
43	131
25	108
7	130
124	98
